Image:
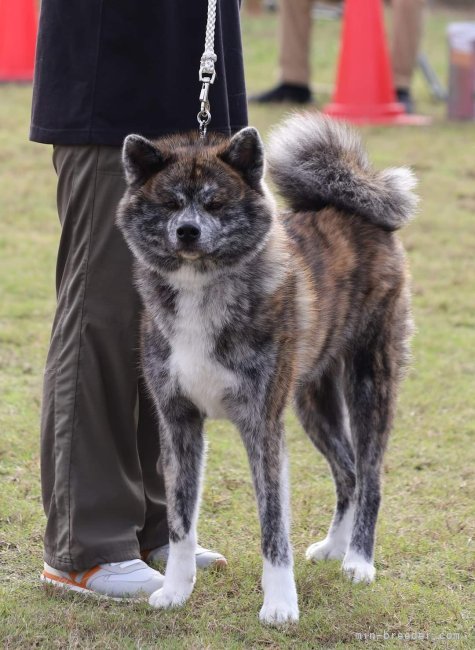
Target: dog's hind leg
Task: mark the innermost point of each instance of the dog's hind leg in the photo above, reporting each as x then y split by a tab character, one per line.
373	368
321	408
265	446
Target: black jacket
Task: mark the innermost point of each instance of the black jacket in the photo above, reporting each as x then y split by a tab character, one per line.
107	68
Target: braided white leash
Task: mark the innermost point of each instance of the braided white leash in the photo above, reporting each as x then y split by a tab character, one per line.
207	73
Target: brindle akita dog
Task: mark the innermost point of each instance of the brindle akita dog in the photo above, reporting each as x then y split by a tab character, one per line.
244	307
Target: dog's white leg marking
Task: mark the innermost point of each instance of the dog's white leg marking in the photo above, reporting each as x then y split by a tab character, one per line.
278	583
183	470
264	441
179	574
280	595
335	544
357	568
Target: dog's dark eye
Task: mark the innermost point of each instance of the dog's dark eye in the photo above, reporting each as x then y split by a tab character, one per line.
213	206
171	204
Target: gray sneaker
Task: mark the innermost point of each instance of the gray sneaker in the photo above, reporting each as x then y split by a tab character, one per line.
205	558
131	579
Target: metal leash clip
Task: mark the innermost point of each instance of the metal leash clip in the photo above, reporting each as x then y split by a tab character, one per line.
204	116
207	76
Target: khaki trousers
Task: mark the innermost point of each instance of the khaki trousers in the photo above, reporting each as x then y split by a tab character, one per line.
103	493
295	33
407	33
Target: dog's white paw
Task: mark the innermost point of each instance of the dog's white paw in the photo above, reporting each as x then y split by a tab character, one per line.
357	568
280	595
165	598
327	549
279	612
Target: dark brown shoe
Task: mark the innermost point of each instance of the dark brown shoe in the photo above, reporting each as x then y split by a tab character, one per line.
284	92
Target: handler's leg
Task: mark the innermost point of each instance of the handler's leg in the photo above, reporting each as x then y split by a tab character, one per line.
155	531
93	482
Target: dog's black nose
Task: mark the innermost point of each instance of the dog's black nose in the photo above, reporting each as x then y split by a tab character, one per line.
188	233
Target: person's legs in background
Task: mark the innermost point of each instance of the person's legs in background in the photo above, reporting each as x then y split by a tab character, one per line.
407	22
295	27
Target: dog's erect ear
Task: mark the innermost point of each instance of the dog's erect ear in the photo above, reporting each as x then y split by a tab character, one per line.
245	154
141	159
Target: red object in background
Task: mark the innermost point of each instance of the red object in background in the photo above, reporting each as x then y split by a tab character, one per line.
18	27
365	89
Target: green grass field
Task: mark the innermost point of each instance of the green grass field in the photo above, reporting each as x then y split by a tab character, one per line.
425	550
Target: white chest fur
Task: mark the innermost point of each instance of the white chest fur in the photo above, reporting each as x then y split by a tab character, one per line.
201	378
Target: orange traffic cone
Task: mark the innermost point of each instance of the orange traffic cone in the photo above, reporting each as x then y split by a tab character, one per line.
365	90
18	26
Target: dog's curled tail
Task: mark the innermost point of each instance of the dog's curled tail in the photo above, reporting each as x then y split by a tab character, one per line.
316	161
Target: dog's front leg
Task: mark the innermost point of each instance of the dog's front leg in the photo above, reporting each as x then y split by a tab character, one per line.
182	456
265	447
